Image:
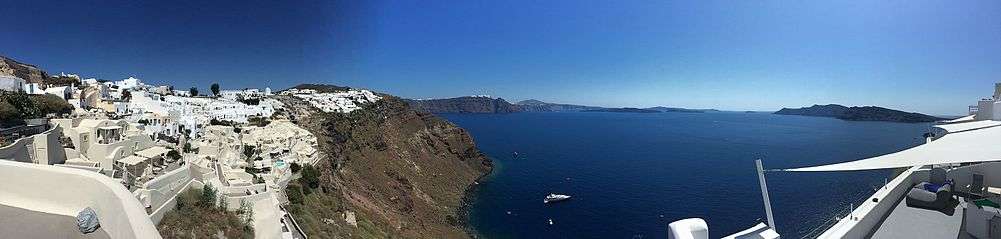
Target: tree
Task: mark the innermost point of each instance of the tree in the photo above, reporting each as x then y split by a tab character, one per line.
126	95
50	104
173	154
207	198
294	193
193	91
249	151
9	115
215	89
311	176
295	167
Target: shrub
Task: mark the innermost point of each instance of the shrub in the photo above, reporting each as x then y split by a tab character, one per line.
51	104
258	121
173	154
310	176
248	150
191	220
294	193
9	115
208	197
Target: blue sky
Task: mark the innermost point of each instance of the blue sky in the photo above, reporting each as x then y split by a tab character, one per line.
934	57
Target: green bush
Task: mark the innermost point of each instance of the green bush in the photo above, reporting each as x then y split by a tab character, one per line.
310	176
208	197
9	115
50	104
173	154
294	194
191	220
295	167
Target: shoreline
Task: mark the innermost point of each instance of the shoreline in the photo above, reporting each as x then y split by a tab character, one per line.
469	197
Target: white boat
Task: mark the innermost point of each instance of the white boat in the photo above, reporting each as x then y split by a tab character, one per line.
555	198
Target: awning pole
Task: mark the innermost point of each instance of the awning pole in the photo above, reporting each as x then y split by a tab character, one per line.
764	194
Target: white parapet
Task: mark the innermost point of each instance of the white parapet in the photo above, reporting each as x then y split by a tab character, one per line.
66	191
690	228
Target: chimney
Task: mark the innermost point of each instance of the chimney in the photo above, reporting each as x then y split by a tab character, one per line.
997	91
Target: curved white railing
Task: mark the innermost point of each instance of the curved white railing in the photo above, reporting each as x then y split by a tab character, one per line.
67	191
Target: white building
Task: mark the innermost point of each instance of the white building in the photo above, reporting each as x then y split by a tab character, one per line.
990	108
129	83
104	141
74	76
33	89
340	102
12	83
64	92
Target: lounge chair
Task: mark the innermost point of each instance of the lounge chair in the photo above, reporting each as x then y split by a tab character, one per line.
933	194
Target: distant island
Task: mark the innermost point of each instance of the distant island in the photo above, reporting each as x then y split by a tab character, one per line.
465	104
681	110
486	104
623	110
539	106
857	113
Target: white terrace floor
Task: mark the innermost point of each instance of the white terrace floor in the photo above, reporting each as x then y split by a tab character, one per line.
20	223
909	222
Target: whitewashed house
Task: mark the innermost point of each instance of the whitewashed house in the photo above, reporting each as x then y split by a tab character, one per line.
12	83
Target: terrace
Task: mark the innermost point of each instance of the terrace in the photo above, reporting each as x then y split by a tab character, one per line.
967	156
29	209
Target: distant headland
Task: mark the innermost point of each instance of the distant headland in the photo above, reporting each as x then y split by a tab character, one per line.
859	113
486	104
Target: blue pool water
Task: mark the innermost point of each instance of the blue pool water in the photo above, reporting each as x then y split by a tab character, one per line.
630	174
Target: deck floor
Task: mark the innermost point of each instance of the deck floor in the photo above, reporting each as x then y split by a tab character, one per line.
21	223
909	222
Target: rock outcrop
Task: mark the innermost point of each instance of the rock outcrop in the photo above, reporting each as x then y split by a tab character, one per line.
30	73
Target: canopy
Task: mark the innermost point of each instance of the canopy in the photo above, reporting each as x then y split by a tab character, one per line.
960	119
960	127
974	145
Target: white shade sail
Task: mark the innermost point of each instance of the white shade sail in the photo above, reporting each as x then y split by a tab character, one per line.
972	145
960	127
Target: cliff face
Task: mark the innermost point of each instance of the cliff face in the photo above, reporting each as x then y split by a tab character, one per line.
29	73
855	113
399	172
539	106
466	104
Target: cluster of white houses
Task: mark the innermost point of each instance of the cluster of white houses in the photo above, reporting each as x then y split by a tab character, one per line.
151	143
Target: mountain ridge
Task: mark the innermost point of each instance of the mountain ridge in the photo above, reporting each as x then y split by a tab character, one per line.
464	104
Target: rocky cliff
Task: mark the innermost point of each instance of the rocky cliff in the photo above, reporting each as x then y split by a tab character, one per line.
856	113
29	73
388	171
466	104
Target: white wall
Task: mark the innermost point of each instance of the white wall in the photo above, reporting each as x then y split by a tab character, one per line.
42	148
66	191
163	190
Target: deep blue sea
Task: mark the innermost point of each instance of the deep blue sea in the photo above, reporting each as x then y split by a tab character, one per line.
630	174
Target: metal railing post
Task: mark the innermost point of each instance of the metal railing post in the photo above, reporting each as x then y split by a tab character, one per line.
764	194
